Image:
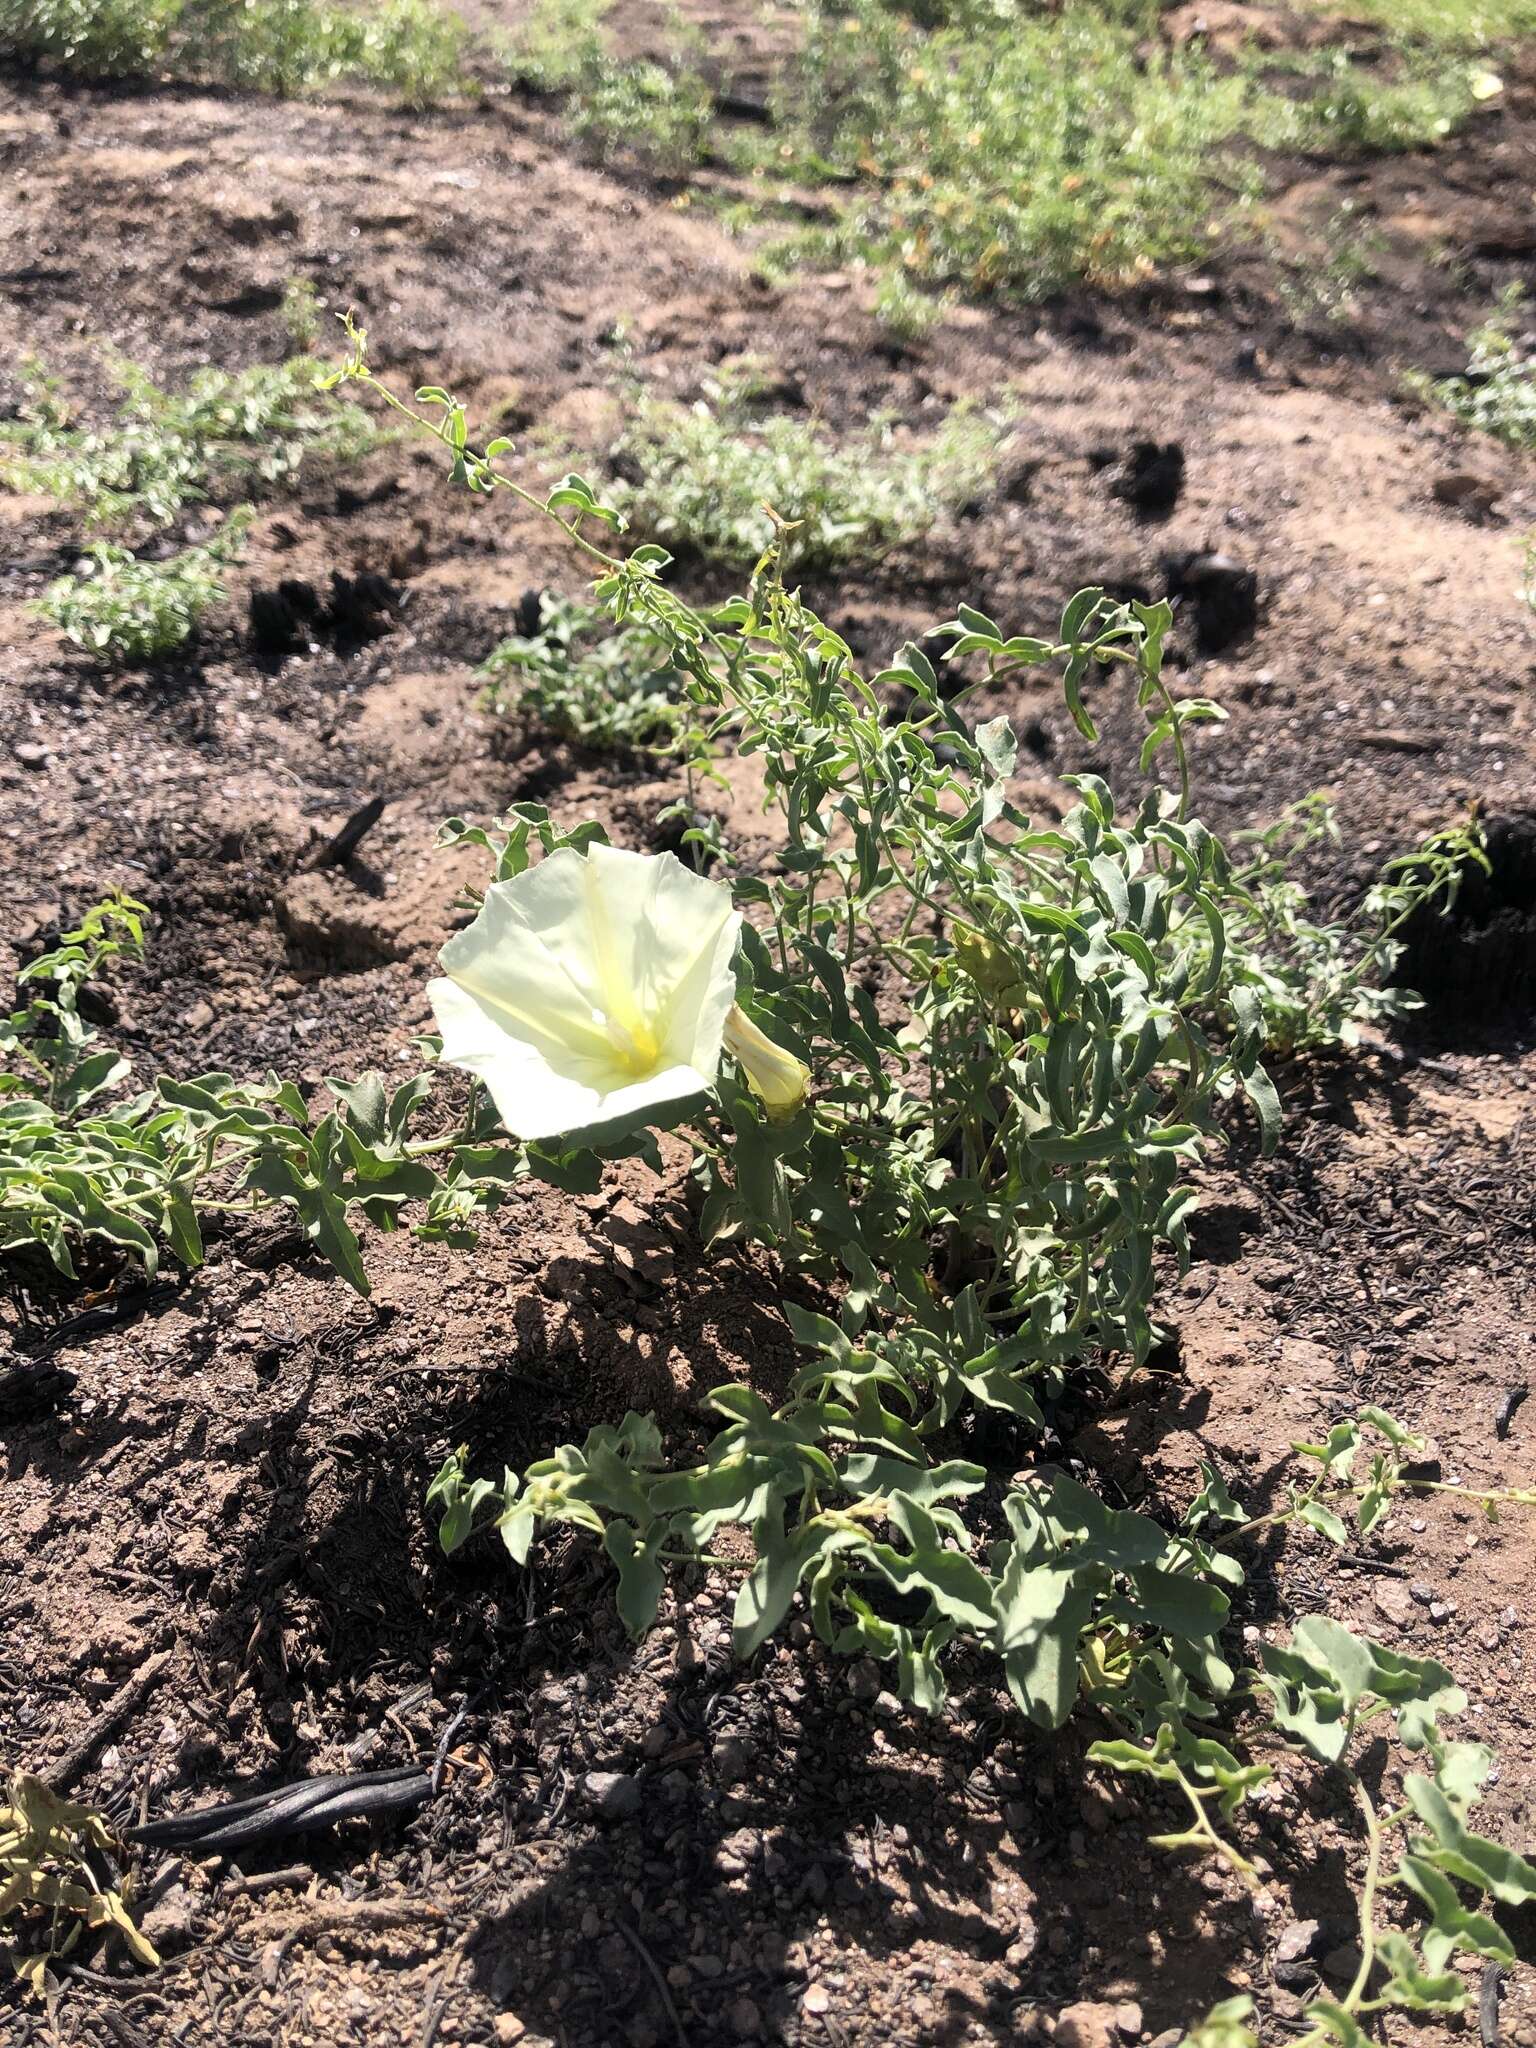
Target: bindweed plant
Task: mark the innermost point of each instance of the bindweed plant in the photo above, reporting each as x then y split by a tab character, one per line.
83	1160
118	607
136	473
1322	984
1331	1695
953	1068
712	479
581	678
162	450
72	1168
952	1065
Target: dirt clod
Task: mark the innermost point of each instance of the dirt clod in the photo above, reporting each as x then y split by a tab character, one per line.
1151	478
1220	593
614	1794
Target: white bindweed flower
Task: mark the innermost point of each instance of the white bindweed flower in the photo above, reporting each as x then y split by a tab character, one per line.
777	1078
591	991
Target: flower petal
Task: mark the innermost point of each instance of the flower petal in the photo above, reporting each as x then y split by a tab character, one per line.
664	937
532	1098
547	992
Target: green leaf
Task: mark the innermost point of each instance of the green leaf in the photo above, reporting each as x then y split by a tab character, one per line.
1454	1849
1452	1925
322	1215
640	1574
1311	1711
460	1500
1214	1501
919	1676
1098	1534
1260	1090
1460	1769
1324	1520
367	1113
764	1596
1401	1439
868	1474
1409	1985
1151	1760
1337	1455
1345	1659
1041	1612
1339	2025
518	1525
998	745
1174	1603
817	1332
958	1589
1224	2026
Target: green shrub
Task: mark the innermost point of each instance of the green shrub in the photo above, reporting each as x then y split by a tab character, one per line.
705	474
1442	24
1497	396
904	312
162	450
1019	160
585	679
121	609
1016	150
660	113
557	44
411	47
1357	109
91	38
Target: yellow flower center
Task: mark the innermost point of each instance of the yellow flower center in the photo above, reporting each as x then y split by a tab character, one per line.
634	1042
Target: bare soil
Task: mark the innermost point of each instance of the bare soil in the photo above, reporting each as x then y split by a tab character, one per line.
236	1474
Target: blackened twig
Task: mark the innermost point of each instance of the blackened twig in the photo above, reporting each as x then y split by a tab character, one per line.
1507	1407
289	1810
1488	2005
657	1978
342	845
125	1702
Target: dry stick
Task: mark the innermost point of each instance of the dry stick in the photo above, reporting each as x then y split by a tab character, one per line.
122	2030
651	1964
443	1990
1488	2005
340	847
340	1916
267	1880
124	1703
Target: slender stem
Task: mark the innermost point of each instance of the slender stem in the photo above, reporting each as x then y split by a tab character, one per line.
1227	1851
1374	1837
423	1148
1499	1496
438	429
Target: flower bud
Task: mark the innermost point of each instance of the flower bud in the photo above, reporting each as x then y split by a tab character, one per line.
776	1077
